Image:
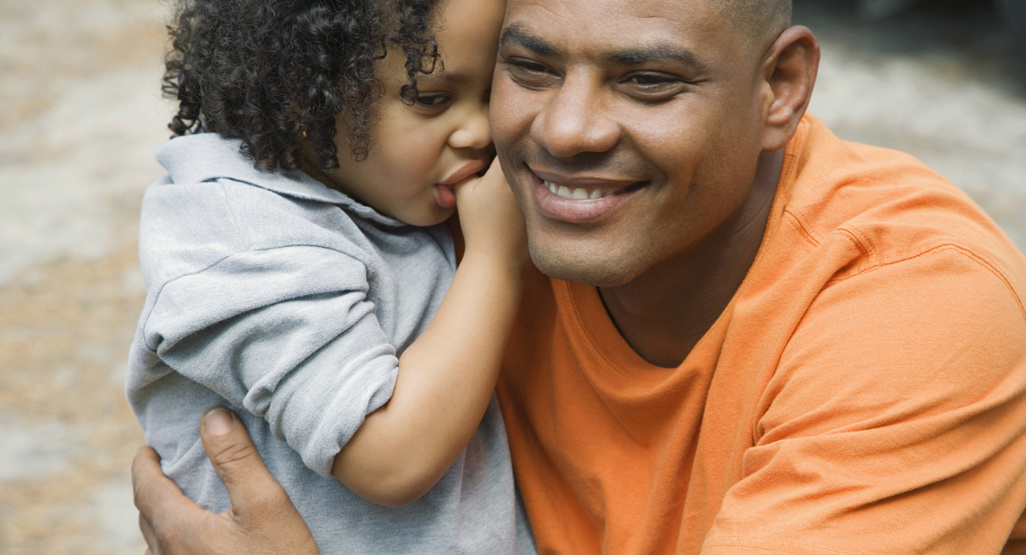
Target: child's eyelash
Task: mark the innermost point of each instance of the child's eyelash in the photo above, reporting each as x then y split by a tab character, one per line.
435	99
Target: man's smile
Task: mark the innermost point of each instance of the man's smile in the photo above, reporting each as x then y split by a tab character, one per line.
580	199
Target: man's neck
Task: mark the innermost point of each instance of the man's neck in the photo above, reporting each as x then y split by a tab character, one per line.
665	311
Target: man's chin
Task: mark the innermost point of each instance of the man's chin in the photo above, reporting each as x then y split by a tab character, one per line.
597	269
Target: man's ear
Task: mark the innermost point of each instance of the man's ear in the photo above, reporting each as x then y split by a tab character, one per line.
790	69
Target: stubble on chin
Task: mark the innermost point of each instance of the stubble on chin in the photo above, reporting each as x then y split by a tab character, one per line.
602	269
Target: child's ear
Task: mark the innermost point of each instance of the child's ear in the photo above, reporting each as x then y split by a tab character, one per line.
789	70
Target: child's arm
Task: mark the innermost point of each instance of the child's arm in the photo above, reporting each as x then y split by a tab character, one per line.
447	376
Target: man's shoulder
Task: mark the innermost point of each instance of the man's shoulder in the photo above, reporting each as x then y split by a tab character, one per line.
889	206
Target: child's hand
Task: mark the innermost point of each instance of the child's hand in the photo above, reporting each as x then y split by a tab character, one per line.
490	218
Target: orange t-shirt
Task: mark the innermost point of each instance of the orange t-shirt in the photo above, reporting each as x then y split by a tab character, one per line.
864	391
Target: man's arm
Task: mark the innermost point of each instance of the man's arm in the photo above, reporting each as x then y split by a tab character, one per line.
262	518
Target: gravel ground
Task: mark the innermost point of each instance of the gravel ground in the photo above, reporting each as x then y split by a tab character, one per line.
80	120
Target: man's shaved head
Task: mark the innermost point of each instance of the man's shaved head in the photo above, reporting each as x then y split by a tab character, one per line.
761	20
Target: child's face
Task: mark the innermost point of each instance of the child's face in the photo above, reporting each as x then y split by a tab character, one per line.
419	151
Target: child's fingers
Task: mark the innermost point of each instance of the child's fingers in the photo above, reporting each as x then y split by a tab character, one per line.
495	168
493	176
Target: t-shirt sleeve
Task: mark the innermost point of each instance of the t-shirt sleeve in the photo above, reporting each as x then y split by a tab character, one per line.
895	422
289	334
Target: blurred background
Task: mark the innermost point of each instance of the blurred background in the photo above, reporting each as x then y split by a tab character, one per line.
80	117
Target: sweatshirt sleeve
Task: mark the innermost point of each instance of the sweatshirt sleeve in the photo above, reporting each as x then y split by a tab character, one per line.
289	334
276	316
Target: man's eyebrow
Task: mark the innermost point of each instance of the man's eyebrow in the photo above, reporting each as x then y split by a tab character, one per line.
657	53
517	34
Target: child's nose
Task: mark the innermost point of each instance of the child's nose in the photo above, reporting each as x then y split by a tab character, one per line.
472	131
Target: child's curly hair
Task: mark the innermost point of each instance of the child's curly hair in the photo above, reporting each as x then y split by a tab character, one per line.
272	71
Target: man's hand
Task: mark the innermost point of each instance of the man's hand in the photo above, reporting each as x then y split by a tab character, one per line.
262	518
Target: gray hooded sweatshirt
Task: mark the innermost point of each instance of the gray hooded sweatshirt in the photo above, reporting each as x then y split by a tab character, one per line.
289	303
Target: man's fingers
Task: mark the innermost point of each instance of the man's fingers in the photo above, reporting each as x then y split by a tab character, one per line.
148	535
154	492
238	464
145	466
163	508
261	512
262	518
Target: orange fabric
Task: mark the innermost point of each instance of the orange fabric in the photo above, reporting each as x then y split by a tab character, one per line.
864	392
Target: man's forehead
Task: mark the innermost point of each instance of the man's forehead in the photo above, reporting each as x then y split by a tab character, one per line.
612	28
614	10
571	18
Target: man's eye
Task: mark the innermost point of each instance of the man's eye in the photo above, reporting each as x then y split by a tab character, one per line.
650	79
652	87
529	73
527	66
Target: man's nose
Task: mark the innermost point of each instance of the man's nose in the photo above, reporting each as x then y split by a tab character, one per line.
575	120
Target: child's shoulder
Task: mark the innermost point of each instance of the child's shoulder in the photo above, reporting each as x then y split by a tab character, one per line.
213	203
207	166
209	179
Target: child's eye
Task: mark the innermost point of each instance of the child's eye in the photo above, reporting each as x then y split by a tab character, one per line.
432	100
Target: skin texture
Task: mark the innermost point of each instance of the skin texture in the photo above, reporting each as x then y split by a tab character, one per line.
660	105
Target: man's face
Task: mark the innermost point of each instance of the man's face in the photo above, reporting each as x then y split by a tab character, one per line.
629	130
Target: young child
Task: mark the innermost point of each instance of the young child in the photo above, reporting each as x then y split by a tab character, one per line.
300	270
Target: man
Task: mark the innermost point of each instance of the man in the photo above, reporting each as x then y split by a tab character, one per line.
750	337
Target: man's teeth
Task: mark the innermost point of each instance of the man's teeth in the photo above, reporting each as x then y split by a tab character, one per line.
577	192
